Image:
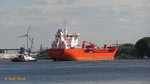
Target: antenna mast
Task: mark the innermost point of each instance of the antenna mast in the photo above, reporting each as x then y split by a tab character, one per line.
65	29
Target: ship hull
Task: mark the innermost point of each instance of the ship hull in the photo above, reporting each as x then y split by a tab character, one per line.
79	55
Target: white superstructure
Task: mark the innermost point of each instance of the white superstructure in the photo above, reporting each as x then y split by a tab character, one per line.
65	40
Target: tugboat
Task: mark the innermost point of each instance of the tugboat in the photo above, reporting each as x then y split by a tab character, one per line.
65	47
24	56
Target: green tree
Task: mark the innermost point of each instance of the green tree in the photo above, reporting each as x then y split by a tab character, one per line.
126	51
142	47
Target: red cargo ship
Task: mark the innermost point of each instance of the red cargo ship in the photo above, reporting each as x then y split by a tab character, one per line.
65	47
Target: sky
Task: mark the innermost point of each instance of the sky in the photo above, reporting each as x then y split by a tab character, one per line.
98	21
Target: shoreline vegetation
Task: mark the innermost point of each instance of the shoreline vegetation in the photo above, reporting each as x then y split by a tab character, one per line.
139	50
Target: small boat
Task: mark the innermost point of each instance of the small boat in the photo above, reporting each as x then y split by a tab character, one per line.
24	57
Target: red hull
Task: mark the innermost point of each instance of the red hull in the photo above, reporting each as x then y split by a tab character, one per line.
80	55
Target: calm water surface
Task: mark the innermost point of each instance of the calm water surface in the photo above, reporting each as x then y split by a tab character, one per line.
73	72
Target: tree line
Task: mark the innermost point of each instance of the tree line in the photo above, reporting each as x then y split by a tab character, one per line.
141	49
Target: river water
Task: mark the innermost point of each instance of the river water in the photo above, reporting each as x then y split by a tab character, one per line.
75	72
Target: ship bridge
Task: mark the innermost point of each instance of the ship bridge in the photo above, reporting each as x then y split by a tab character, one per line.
65	40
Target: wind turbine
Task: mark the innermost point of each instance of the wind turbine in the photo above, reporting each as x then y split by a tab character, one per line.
27	36
31	46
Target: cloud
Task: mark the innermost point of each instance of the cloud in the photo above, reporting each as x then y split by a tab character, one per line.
123	20
148	4
82	15
125	5
98	20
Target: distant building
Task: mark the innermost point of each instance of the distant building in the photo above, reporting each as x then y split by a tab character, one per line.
8	53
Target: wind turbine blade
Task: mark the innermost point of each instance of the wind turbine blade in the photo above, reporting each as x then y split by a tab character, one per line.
32	40
28	29
31	46
29	38
22	36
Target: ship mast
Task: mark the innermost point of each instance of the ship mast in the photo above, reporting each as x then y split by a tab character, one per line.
65	29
